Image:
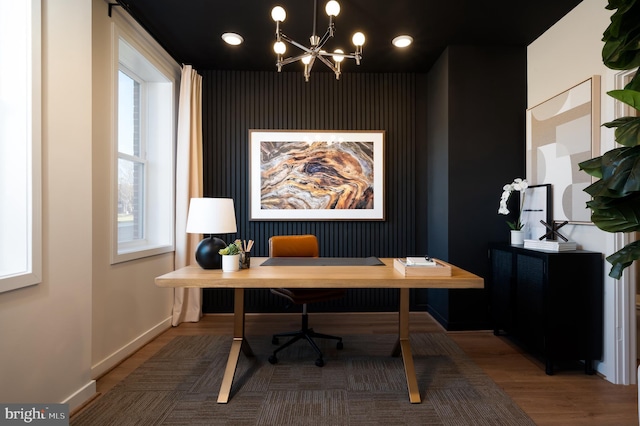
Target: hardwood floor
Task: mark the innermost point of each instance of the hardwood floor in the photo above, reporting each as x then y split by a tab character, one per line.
569	397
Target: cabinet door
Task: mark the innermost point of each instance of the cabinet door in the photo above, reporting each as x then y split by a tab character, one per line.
530	309
501	290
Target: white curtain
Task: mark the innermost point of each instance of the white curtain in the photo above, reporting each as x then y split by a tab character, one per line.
187	302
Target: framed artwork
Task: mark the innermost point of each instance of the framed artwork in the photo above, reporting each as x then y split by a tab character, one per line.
536	207
316	175
562	132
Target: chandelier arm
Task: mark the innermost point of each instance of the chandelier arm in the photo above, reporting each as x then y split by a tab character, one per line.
327	63
291	60
295	43
325	38
344	55
315	50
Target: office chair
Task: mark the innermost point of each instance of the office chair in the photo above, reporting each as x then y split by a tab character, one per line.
301	246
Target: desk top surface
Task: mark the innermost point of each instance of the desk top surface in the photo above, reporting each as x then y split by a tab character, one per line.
382	276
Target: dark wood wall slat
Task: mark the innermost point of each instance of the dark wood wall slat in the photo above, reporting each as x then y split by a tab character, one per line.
236	101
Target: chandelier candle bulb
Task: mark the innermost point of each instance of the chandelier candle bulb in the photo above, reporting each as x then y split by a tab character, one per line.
278	14
332	8
358	39
279	47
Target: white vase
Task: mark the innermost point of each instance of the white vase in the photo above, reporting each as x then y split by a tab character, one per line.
517	238
230	263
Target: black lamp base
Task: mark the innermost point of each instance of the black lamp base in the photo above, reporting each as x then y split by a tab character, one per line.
207	254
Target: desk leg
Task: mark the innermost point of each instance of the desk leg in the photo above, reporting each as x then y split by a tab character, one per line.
404	347
239	344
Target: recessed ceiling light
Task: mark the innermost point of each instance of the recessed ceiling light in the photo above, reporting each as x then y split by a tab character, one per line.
402	41
232	38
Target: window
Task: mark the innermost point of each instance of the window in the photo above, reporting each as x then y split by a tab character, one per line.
20	164
143	149
131	161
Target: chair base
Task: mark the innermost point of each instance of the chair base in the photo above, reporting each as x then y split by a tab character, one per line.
305	333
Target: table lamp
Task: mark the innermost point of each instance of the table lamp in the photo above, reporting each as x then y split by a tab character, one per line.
211	216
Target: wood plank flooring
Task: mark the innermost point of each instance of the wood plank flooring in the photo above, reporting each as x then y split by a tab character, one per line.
569	397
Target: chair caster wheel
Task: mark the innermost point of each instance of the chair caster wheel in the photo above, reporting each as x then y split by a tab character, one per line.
273	359
339	345
319	362
275	340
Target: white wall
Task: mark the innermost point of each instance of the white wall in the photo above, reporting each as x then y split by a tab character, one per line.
128	309
45	329
86	315
565	55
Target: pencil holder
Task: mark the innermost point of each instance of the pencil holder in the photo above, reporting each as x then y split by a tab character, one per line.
245	260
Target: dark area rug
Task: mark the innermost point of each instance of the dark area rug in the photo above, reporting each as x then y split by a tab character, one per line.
359	385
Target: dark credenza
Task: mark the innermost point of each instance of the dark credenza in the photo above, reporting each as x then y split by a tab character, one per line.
551	303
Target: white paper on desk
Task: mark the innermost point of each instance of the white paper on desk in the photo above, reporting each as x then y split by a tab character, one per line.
420	261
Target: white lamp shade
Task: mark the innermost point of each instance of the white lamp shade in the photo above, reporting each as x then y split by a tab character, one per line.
211	216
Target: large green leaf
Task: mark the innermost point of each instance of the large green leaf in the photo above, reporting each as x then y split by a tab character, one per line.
634	84
620	215
616	195
627	131
629	97
622	37
628	134
620	173
593	167
623	258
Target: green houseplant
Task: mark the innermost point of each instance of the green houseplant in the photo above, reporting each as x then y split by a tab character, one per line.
615	203
230	250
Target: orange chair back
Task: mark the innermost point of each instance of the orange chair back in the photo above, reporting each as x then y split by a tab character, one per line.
294	246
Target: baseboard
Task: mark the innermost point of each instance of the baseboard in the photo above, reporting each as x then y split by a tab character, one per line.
81	396
127	350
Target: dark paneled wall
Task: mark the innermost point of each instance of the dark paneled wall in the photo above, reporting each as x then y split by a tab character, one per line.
476	145
235	101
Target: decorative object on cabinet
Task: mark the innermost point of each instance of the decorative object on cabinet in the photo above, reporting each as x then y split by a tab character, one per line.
550	303
316	175
550	245
517	237
553	231
536	208
519	185
562	132
615	194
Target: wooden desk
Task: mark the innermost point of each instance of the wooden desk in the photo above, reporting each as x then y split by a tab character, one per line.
315	277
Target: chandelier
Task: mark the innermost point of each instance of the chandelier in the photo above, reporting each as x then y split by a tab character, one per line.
315	50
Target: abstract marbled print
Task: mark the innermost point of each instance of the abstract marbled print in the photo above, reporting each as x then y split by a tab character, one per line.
317	175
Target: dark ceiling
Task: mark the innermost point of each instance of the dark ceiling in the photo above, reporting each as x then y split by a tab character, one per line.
190	30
